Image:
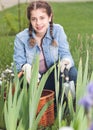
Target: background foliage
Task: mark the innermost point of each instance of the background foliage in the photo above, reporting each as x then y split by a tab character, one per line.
76	18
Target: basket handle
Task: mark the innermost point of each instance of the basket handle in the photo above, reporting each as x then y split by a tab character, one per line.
20	74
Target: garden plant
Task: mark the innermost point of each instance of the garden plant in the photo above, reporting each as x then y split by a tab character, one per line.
16	111
20	110
22	104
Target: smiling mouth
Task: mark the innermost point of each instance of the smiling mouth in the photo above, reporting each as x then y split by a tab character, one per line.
39	28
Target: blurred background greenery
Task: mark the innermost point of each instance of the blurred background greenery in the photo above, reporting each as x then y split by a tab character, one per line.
75	17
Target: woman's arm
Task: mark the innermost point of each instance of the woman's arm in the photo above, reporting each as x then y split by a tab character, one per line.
19	56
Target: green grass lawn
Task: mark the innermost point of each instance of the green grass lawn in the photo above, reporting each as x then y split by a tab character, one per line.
6	51
76	18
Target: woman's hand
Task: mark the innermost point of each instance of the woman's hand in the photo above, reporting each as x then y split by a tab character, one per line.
65	63
27	71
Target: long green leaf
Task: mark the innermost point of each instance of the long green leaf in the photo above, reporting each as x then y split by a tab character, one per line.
79	85
33	104
85	76
44	108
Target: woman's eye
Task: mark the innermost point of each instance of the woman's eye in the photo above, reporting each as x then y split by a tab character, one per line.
33	19
42	18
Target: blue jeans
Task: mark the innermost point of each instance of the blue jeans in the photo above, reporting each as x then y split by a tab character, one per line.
50	83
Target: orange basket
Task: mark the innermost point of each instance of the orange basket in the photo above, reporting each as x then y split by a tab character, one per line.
48	116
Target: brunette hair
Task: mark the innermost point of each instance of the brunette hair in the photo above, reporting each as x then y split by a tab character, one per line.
37	5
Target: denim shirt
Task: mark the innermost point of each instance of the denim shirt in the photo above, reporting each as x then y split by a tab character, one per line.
25	53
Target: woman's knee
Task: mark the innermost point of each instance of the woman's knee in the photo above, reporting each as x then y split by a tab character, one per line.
73	74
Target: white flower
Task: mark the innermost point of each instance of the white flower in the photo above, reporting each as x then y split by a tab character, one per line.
0	83
66	128
12	74
8	71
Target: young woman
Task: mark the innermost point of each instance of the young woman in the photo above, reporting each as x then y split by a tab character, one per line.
45	38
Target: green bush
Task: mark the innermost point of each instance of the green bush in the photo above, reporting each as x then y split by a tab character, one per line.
11	23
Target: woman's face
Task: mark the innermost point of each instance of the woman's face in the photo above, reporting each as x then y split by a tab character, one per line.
40	21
